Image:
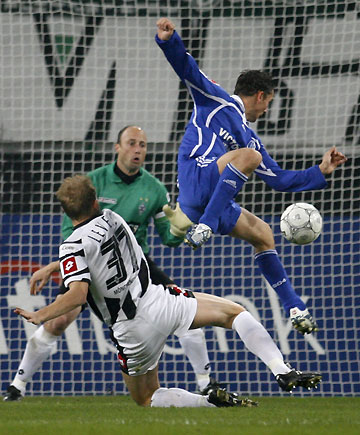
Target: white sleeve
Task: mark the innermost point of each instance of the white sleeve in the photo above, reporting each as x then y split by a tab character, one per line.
73	265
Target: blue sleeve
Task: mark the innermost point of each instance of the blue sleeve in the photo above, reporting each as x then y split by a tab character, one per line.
284	180
186	67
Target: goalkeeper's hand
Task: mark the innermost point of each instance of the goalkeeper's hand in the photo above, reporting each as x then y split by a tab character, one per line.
179	222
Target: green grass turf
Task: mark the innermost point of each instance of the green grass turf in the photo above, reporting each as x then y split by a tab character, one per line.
102	415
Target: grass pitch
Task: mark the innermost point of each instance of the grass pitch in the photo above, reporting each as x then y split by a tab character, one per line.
119	415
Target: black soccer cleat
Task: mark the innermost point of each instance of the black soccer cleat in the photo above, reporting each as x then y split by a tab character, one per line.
212	385
12	395
222	399
293	379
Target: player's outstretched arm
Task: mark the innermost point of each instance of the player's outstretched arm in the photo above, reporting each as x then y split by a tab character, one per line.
72	299
41	277
165	29
331	160
184	64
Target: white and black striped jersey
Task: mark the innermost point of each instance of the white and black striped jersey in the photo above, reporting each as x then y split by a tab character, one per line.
103	251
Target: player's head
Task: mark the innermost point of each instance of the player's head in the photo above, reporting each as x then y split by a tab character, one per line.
131	147
256	89
77	196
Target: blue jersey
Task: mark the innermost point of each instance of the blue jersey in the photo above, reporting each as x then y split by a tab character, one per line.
218	125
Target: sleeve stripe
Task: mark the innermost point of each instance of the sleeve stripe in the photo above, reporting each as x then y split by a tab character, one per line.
78	242
159	215
80	280
80	253
79	272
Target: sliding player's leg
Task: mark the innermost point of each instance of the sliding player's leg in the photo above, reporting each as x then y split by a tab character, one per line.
192	341
145	390
141	388
257	232
140	343
38	349
212	310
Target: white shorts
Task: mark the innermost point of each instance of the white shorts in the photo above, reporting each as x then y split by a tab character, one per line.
160	313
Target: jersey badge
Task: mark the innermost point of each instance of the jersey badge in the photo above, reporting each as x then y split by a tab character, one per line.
123	361
142	205
69	265
254	144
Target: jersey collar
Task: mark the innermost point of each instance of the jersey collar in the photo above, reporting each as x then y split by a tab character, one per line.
127	179
115	178
239	101
87	221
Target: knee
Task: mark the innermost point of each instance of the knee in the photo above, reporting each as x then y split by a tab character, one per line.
233	316
143	401
58	325
265	239
232	312
268	239
247	160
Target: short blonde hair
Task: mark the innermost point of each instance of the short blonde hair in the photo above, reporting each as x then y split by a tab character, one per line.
77	196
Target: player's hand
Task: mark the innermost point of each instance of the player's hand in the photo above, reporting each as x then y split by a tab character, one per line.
331	160
179	222
31	317
41	277
166	29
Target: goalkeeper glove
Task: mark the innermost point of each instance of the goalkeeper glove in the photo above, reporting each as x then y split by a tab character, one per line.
179	222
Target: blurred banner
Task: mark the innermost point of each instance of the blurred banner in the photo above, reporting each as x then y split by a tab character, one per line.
74	70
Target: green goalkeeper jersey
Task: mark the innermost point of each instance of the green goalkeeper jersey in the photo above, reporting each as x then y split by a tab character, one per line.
138	203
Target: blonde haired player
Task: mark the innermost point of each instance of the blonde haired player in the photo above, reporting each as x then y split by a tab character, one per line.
101	262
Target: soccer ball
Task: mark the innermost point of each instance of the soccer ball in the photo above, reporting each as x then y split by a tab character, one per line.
301	223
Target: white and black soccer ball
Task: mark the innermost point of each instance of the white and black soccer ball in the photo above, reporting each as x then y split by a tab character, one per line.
301	223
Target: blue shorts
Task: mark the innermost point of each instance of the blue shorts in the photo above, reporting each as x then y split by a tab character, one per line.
196	185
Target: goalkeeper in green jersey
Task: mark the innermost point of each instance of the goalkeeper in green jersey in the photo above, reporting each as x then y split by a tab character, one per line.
129	190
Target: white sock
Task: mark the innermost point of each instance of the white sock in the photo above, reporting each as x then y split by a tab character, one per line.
167	397
38	349
259	342
202	380
194	345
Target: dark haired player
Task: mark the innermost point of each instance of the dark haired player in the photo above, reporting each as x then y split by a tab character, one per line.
218	153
